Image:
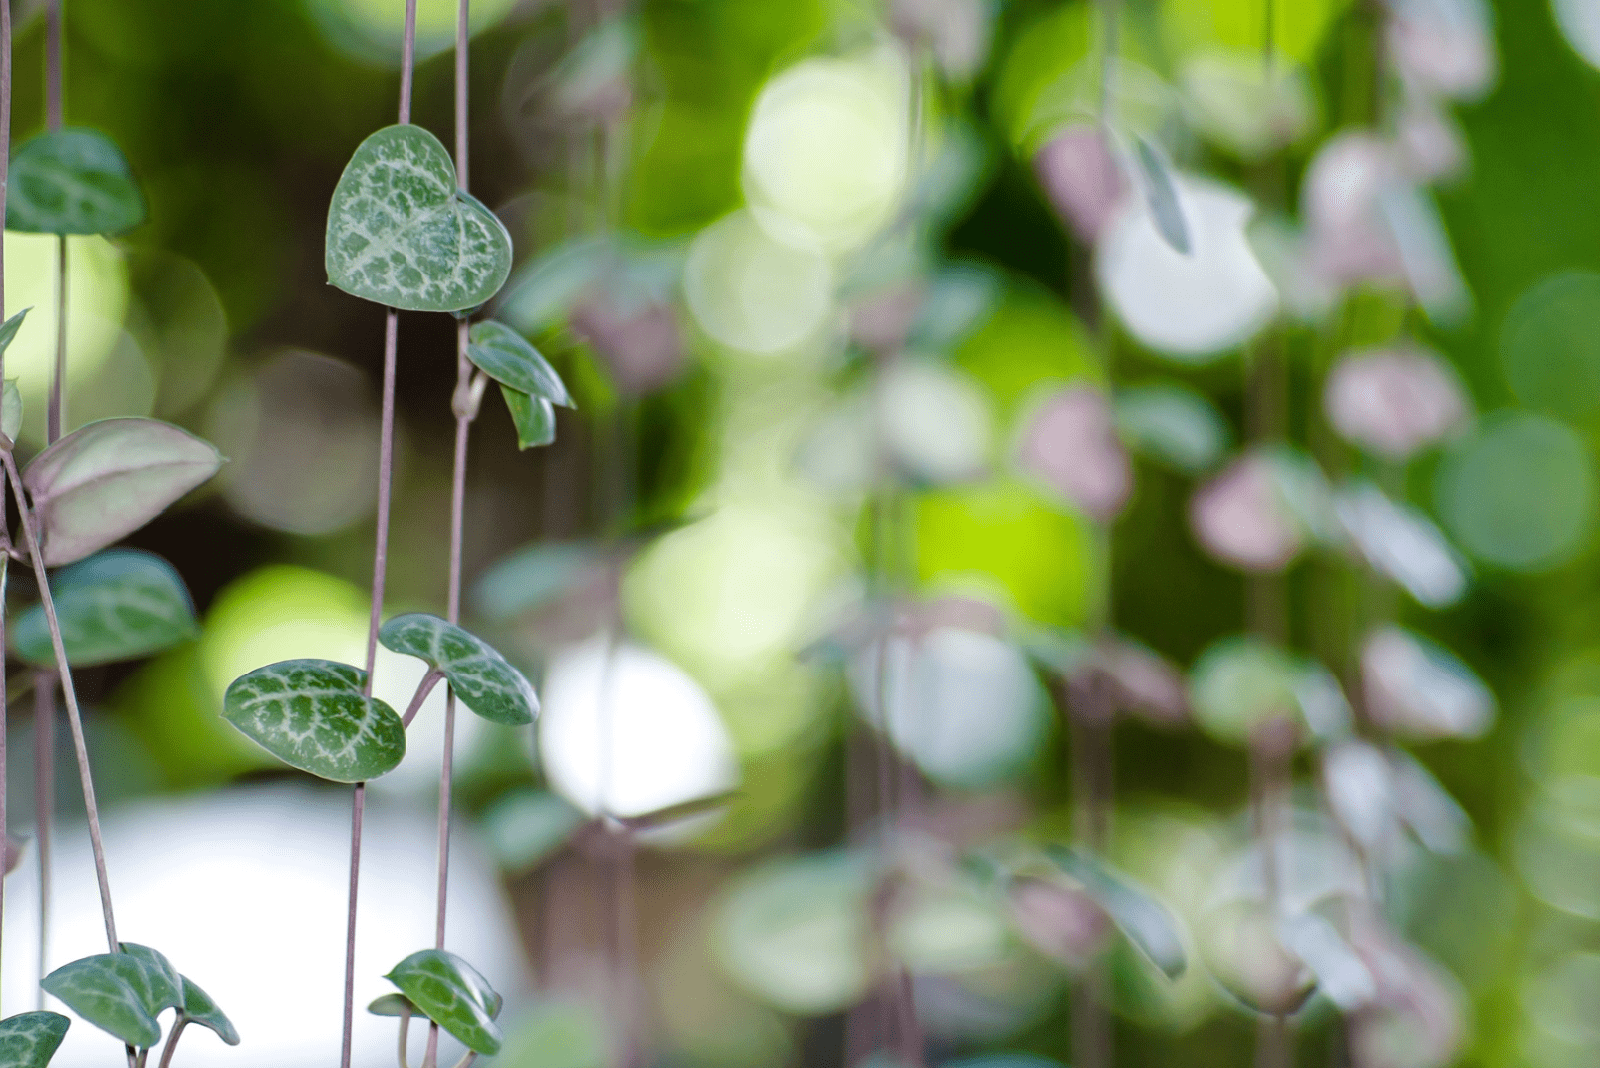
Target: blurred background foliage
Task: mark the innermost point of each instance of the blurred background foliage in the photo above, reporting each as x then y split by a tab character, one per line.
717	391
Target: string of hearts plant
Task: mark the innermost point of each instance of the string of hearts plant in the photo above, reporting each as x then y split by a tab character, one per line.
404	232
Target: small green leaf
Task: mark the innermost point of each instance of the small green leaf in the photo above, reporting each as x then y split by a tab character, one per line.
11	411
110	478
544	291
1143	920
532	577
393	1005
1161	193
198	1006
400	233
30	1039
526	826
452	994
9	328
510	359
311	715
479	675
72	181
117	992
117	605
1172	424
535	418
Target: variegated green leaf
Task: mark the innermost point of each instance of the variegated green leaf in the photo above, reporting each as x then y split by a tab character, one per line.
535	418
30	1039
117	605
117	992
72	181
510	359
400	233
158	962
1143	921
479	675
110	478
199	1008
311	715
451	993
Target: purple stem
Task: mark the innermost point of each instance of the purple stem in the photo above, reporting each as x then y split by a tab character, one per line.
172	1040
380	564
424	688
5	156
44	793
74	720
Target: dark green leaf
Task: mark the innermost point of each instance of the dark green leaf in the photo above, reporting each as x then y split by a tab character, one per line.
110	478
535	418
1162	195
30	1039
1142	919
393	1005
311	715
400	233
159	963
117	992
198	1006
452	994
510	359
72	181
117	605
479	675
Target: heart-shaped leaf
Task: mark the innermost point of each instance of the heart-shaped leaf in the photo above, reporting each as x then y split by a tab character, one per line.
116	605
110	478
510	359
198	1007
535	418
30	1039
451	993
393	1005
311	715
479	675
1142	919
117	992
400	233
72	181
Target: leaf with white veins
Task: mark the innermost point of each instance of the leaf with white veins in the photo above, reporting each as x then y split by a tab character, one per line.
480	676
312	715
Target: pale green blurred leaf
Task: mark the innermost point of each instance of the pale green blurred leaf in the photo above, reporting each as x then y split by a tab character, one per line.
72	181
116	605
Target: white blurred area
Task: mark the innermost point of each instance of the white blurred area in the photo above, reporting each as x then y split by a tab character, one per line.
245	891
626	732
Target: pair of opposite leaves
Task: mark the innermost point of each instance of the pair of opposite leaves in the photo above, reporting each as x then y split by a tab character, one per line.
123	994
403	234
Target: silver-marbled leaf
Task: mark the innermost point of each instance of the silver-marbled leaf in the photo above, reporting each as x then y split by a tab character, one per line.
480	676
108	479
400	233
510	359
199	1007
451	993
30	1039
116	605
534	417
72	181
312	715
120	993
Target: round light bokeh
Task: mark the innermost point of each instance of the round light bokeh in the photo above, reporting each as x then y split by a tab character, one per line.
626	732
754	293
825	155
1190	307
373	30
245	890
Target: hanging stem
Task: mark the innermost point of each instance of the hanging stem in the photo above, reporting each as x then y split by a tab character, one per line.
74	720
380	565
5	162
172	1041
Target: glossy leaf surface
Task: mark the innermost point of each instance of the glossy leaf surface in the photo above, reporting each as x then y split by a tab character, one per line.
116	605
30	1039
510	359
110	478
1143	920
534	417
479	675
311	715
452	994
120	993
72	181
400	233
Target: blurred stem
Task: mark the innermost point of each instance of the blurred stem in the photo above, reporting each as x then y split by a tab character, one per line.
44	792
5	538
74	720
1271	757
380	564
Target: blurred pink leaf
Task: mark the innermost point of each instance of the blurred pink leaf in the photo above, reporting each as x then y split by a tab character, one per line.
1070	443
1415	688
1081	179
1240	517
639	341
1394	401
